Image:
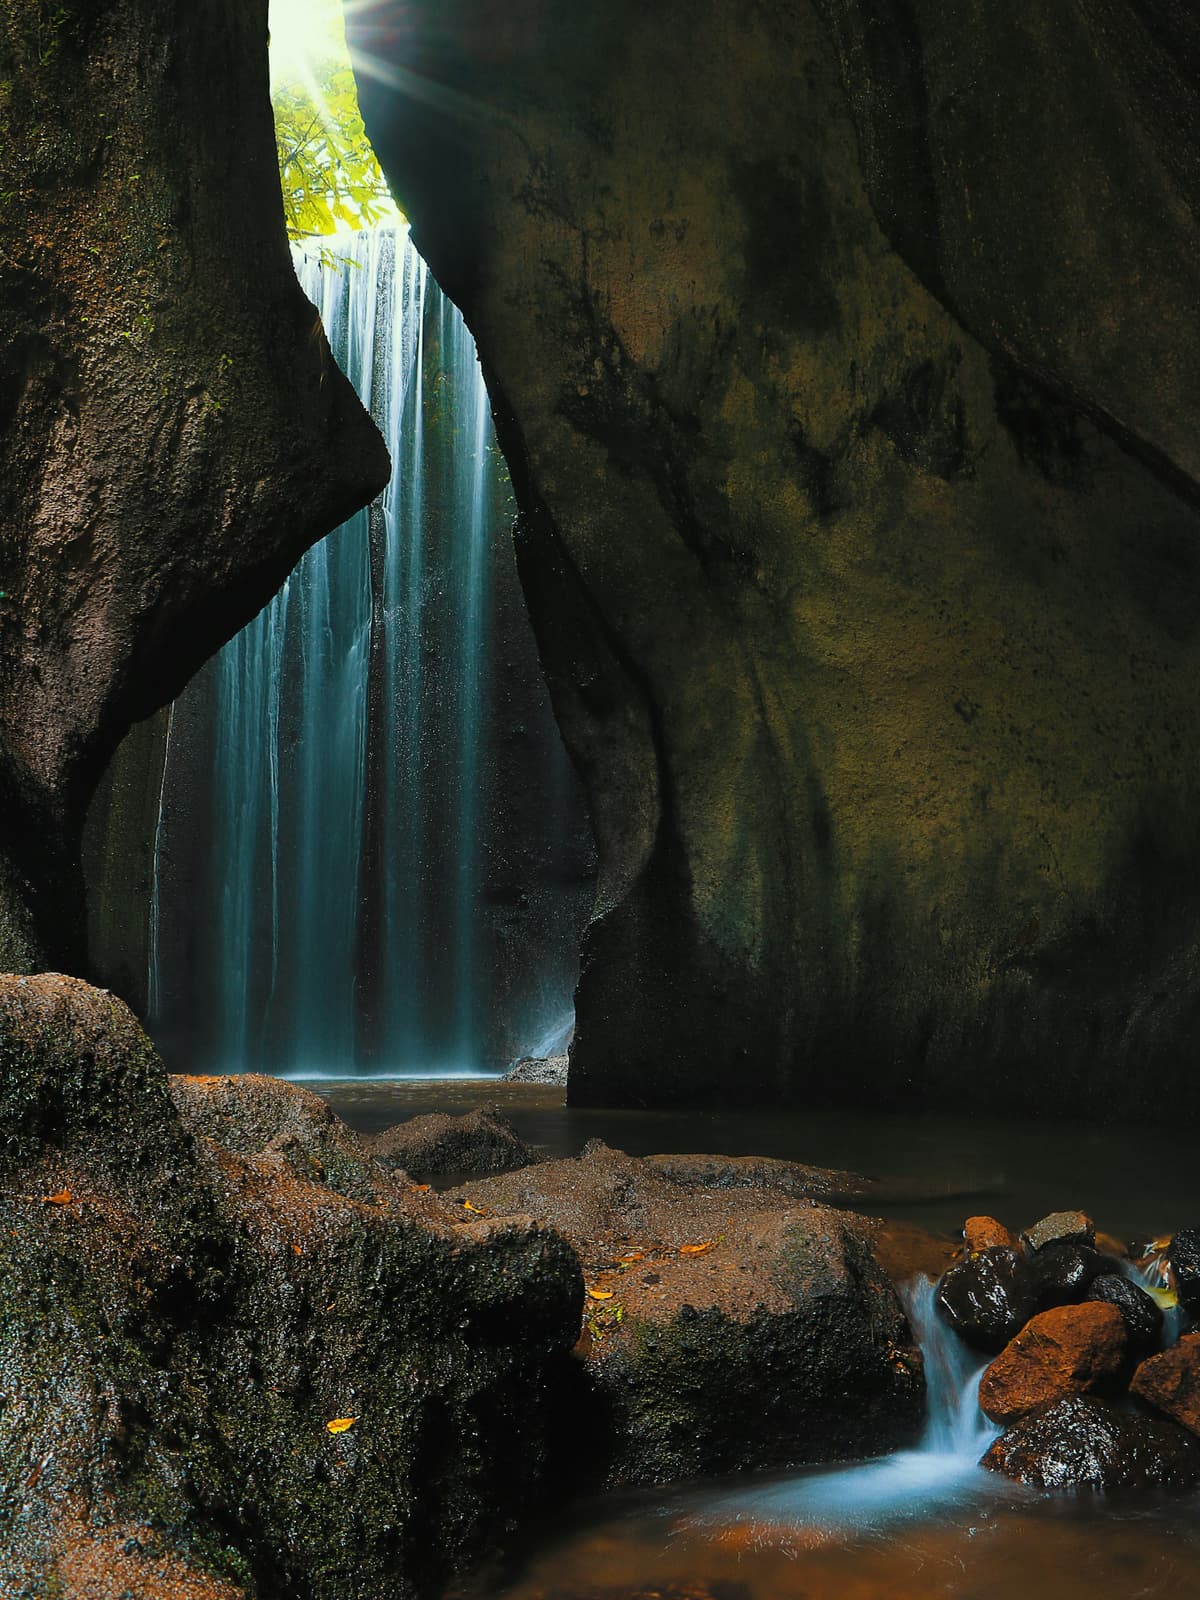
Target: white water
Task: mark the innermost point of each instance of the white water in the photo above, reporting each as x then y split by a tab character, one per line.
942	1472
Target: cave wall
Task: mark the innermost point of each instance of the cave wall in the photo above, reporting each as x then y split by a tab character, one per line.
844	364
173	432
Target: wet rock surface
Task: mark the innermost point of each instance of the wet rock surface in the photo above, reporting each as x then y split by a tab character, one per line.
785	1178
1067	1351
985	1233
725	1327
1170	1382
988	1299
1143	1319
189	1307
1061	1227
1083	1442
477	1142
1184	1258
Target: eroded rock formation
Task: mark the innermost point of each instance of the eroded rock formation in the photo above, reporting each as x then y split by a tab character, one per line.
844	360
173	432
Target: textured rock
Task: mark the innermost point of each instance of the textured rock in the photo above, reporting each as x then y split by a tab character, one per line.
988	1299
985	1233
1143	1319
724	1328
538	1069
790	1178
1070	1350
874	642
188	1304
1087	1443
1170	1382
1183	1256
480	1141
1060	1228
173	431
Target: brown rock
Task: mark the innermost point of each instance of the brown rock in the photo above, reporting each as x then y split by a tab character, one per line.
1070	1350
479	1142
1081	1442
1170	1382
985	1233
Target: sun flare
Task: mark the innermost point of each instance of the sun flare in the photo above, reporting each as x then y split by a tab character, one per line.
304	33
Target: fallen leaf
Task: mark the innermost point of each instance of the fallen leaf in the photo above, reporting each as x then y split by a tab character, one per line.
477	1211
601	1294
297	1250
341	1424
62	1198
422	1188
697	1249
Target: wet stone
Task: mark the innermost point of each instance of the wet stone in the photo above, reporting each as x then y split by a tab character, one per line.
1083	1442
1066	1351
988	1299
1143	1319
985	1233
1061	1274
1061	1227
1170	1382
1184	1257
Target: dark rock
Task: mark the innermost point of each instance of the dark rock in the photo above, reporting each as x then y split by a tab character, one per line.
188	1316
1070	1350
538	1069
1143	1319
988	1299
1170	1382
725	1328
1184	1258
1061	1227
1082	1442
480	1141
781	372
1060	1274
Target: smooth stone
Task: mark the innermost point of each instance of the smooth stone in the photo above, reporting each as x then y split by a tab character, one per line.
1070	1350
1143	1319
1084	1442
988	1299
1184	1257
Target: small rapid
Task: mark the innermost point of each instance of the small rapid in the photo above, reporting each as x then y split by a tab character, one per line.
941	1472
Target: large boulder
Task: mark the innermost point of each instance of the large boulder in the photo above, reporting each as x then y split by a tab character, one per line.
855	446
476	1142
173	430
1082	1442
1170	1382
725	1327
236	1352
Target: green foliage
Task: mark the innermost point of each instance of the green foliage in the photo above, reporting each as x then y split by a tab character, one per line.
331	179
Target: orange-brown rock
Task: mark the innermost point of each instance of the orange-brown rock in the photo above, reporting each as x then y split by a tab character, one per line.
1170	1382
1070	1350
985	1233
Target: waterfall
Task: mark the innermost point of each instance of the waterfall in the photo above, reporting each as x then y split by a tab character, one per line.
343	917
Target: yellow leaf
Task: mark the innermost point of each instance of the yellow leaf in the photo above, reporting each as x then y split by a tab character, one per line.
601	1294
62	1198
477	1211
697	1249
341	1424
422	1188
297	1249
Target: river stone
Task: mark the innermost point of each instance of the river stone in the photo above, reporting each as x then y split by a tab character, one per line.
538	1069
187	1307
1061	1227
1184	1258
1069	1350
1061	1274
987	1299
985	1233
479	1142
1143	1319
725	1328
1082	1442
790	1178
1170	1382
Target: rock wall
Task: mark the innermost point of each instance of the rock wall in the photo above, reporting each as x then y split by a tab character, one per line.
173	432
843	361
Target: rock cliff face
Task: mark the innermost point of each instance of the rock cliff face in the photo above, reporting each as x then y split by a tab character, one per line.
842	357
173	432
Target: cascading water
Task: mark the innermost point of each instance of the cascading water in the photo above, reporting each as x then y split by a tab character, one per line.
343	744
943	1469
